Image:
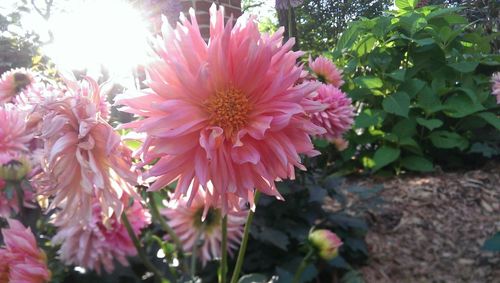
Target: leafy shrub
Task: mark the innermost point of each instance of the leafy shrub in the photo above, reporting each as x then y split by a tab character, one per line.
420	79
280	230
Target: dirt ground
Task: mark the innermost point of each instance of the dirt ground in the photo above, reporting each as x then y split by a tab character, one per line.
430	228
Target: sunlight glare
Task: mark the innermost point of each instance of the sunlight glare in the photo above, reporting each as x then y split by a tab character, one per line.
96	33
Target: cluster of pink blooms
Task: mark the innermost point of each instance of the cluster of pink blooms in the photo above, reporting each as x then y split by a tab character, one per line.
338	116
100	241
77	160
223	119
197	222
227	117
495	88
21	261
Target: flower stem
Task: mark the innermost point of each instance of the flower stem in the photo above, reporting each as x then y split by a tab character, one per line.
164	225
244	242
140	251
302	266
195	250
223	263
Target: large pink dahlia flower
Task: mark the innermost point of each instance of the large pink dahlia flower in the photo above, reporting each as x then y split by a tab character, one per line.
13	82
495	87
225	113
338	117
97	243
21	261
198	221
326	72
84	158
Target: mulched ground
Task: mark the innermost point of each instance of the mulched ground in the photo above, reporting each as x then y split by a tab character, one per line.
430	228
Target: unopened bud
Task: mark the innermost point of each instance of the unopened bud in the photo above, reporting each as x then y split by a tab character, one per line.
14	170
326	243
341	144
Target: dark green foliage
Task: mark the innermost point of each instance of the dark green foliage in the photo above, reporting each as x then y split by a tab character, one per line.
420	79
280	229
16	49
320	22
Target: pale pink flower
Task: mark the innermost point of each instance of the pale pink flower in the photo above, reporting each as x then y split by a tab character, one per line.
39	93
84	158
338	117
14	137
21	258
13	82
97	243
495	87
15	141
326	71
225	113
326	243
197	221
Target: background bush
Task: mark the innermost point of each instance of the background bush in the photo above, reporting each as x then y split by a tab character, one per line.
420	79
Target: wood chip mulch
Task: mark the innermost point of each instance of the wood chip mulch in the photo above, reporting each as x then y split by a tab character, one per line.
430	228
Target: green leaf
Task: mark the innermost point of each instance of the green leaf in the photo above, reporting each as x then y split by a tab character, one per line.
253	278
442	11
349	36
412	87
445	139
410	145
484	149
464	67
413	23
429	101
384	156
493	243
405	128
352	276
406	4
284	276
367	119
460	105
321	143
397	103
430	124
398	75
425	41
417	163
274	237
491	118
368	82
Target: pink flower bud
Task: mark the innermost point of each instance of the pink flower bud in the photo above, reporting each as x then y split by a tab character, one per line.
326	243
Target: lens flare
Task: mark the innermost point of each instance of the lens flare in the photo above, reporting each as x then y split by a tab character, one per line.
99	34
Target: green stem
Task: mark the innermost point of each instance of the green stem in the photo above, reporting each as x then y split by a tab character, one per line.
195	250
244	242
223	263
302	266
140	251
164	225
20	199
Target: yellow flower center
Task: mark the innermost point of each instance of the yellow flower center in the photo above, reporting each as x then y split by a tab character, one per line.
212	220
21	81
229	110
